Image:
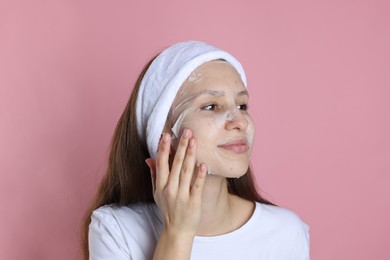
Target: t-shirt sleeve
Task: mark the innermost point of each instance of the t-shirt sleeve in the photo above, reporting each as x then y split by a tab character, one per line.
303	243
105	238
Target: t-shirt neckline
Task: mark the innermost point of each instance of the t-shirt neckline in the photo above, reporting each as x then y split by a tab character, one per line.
247	225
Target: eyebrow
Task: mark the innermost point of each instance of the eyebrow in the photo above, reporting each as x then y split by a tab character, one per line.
243	93
214	93
217	93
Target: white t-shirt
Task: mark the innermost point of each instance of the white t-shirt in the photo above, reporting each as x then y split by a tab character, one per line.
132	232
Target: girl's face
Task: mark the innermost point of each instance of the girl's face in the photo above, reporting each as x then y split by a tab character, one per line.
213	102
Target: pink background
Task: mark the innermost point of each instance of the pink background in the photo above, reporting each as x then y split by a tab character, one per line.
319	77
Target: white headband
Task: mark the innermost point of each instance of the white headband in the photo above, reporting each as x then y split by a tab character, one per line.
162	81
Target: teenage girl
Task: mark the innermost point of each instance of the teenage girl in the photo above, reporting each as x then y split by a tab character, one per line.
178	183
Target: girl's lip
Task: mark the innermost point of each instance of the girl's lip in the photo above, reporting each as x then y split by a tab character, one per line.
238	146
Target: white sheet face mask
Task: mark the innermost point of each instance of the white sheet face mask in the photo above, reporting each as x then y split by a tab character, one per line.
213	105
195	77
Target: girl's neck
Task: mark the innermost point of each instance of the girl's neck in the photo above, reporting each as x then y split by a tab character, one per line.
222	212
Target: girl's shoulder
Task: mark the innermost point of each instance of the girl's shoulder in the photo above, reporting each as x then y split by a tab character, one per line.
140	213
279	218
137	208
130	231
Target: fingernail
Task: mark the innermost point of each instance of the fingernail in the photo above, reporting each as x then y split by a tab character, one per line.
192	142
186	133
202	167
147	162
165	137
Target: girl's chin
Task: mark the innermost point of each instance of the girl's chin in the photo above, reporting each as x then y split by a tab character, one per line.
227	175
232	172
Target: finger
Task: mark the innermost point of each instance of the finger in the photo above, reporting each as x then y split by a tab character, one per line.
187	169
162	164
152	166
197	186
179	158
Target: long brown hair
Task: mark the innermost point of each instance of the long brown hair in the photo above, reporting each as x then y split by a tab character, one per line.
127	179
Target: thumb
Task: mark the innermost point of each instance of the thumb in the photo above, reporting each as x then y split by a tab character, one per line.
152	166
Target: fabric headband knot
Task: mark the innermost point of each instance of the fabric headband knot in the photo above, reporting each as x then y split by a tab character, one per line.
163	80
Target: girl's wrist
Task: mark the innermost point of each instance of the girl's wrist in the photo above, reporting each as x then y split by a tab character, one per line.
176	235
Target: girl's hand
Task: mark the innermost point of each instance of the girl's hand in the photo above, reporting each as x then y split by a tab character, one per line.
177	192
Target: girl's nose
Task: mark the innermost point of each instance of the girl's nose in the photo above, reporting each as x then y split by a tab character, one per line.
236	120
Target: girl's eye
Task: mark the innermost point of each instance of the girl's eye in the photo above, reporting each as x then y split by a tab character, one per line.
243	107
210	107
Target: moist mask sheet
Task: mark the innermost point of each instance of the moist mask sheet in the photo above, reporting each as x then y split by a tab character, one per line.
206	118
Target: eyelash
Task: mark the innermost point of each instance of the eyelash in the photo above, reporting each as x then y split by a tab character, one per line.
210	107
244	107
213	107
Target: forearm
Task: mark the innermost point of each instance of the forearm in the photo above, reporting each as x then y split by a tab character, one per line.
173	245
